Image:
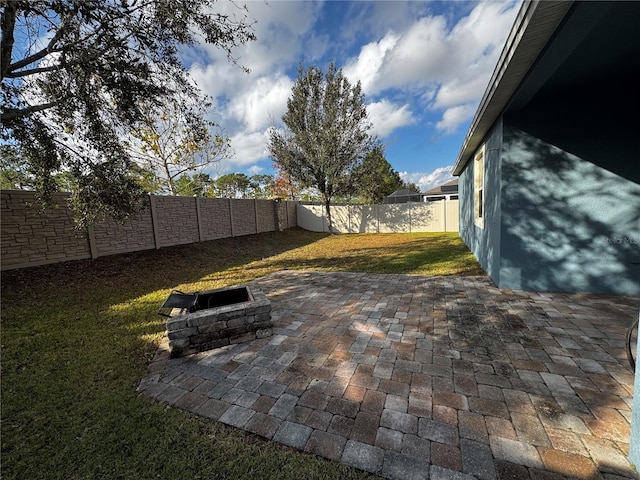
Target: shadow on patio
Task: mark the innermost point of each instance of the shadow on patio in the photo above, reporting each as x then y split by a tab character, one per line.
414	377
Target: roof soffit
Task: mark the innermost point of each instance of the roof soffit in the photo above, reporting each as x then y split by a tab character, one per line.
534	25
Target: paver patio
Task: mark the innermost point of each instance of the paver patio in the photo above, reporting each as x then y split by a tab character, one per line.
414	377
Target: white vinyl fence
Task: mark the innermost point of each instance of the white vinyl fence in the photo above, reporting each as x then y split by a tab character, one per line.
440	216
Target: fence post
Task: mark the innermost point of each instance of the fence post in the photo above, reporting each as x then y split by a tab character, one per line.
231	217
255	209
444	213
199	217
154	220
276	213
286	212
91	236
410	219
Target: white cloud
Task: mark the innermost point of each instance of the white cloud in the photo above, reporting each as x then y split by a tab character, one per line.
377	18
454	116
448	68
249	147
427	181
366	67
419	57
386	116
280	29
255	170
263	104
247	104
216	79
412	61
456	92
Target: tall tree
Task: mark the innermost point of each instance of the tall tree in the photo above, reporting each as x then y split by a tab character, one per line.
232	185
326	135
260	186
376	177
197	185
82	74
13	169
177	139
411	186
283	186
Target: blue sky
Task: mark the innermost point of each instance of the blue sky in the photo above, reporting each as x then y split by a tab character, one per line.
423	66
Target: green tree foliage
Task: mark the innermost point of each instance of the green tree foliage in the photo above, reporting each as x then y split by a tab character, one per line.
176	139
13	169
376	177
78	75
260	186
326	135
411	186
239	185
232	185
198	185
283	186
15	175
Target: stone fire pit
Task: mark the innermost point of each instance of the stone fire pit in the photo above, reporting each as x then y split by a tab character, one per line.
213	319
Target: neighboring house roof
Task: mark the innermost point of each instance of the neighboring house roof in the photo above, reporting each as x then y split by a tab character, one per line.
402	196
534	25
405	192
449	188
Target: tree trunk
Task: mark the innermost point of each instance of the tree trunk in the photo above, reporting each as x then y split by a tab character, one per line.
8	25
167	172
327	207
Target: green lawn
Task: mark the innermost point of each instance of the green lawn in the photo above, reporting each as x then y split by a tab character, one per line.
77	337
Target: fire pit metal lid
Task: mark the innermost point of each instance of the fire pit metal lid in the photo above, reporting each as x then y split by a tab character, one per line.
178	299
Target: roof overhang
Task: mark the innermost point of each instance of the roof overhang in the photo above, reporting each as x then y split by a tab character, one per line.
534	25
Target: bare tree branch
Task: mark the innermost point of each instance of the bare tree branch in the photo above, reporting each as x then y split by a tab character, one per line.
11	114
103	65
32	71
49	49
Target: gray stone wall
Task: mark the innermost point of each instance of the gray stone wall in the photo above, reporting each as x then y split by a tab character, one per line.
215	215
31	236
192	332
136	234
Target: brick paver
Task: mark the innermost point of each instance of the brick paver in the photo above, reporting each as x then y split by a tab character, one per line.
412	377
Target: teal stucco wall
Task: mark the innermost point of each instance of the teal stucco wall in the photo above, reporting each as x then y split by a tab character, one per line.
568	225
484	242
634	445
554	221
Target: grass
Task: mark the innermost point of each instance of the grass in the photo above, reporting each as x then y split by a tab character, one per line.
77	337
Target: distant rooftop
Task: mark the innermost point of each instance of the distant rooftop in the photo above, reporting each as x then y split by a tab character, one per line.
445	189
403	196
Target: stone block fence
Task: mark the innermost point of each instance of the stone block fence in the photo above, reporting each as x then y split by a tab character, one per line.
31	237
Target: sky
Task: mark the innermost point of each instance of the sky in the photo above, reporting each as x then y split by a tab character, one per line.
423	67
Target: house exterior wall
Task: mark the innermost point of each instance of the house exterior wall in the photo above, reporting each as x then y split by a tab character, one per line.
553	221
484	242
568	224
634	441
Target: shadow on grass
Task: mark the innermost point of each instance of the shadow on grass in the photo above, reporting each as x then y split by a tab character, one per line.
143	272
77	338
